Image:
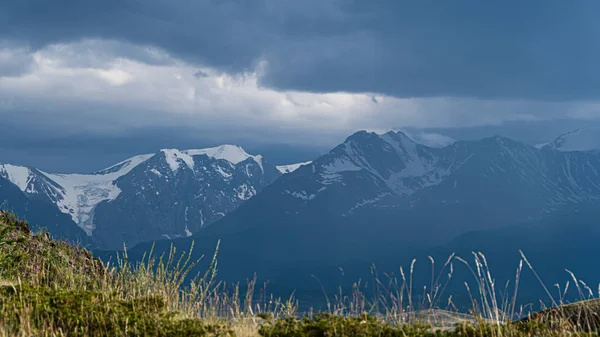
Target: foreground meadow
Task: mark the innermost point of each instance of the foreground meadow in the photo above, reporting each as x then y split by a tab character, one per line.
54	288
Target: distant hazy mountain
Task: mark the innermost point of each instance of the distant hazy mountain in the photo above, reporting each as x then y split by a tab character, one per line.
158	196
374	184
583	139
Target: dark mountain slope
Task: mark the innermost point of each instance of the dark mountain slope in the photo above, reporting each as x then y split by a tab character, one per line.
39	214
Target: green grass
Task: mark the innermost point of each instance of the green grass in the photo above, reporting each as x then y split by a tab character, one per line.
54	288
51	288
369	326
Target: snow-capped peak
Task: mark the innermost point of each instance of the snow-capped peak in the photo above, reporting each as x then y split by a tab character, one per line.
291	167
583	139
393	158
232	153
78	195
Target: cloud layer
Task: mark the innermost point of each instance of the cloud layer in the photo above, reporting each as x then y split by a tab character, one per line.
130	76
84	87
525	50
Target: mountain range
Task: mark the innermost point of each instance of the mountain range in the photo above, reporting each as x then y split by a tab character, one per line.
165	195
373	184
384	199
375	198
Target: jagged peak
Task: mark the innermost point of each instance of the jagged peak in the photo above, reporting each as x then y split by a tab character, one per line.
361	135
398	133
398	137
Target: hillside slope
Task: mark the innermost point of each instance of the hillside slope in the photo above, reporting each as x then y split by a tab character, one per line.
40	214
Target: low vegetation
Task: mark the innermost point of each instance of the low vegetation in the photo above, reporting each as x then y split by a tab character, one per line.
54	288
51	288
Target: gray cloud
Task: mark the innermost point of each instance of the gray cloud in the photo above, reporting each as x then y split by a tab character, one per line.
41	140
14	61
538	49
98	53
86	83
433	139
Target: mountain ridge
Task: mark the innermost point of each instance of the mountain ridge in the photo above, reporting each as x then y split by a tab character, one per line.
388	184
582	139
81	195
380	179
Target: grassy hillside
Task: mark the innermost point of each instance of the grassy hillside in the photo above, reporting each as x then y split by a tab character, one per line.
52	288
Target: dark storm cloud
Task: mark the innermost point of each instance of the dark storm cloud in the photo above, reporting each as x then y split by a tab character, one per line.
536	49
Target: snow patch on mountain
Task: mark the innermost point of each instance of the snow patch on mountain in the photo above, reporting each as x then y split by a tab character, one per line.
81	193
18	175
291	167
222	172
231	153
175	157
126	165
366	202
301	195
201	218
74	194
244	192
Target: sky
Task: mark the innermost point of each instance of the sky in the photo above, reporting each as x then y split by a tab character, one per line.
86	83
